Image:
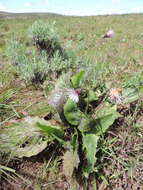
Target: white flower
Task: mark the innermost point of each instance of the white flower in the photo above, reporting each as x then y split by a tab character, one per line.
58	97
72	94
115	95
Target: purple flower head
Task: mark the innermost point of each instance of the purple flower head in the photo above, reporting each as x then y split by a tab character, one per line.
109	34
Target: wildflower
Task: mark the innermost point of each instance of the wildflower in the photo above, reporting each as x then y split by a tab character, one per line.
58	97
109	34
115	95
73	95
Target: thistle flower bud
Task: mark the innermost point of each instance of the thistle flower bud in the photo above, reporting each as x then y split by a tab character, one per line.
73	95
58	97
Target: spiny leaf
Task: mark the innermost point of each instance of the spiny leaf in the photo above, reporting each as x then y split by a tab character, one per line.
90	146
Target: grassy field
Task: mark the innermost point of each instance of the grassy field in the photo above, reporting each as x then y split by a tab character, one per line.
119	63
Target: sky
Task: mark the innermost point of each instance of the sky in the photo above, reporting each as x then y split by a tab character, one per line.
73	7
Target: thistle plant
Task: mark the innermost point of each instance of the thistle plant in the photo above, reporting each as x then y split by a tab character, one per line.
63	90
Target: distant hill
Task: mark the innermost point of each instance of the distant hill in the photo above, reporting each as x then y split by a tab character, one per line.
8	15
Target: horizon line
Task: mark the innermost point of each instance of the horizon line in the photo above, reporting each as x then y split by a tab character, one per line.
108	14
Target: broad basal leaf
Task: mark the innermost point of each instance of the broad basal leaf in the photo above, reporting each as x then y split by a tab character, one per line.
104	110
70	162
25	139
31	149
90	147
71	157
76	79
102	119
72	113
105	117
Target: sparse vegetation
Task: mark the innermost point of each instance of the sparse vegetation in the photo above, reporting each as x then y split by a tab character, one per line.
82	127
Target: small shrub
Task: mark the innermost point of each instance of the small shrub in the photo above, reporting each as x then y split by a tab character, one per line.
35	69
16	51
59	65
32	68
45	37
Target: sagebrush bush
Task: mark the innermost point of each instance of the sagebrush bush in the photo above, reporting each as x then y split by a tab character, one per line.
16	51
46	38
33	68
58	64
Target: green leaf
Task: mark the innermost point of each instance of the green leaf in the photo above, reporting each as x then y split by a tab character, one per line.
90	142
28	137
104	110
76	79
92	96
50	130
132	94
22	139
86	125
74	142
72	113
105	117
